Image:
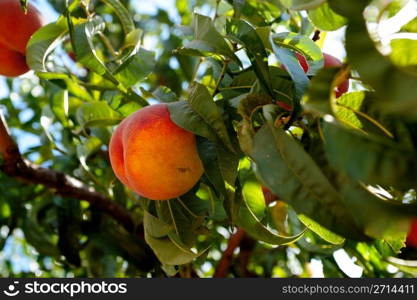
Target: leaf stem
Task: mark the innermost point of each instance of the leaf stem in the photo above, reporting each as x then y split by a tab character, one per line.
235	87
222	74
187	209
173	219
108	45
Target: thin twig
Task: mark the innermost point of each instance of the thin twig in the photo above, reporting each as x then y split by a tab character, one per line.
222	74
108	44
227	257
316	36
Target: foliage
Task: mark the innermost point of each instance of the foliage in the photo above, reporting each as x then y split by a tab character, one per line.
343	169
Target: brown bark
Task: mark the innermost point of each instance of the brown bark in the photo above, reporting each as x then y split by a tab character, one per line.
227	257
14	165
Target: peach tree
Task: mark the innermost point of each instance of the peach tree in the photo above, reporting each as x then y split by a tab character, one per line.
303	155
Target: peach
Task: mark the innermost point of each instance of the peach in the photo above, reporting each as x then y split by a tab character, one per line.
303	62
16	28
269	197
412	235
12	63
153	156
331	61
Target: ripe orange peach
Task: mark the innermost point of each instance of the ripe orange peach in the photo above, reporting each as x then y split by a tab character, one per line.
153	156
12	63
16	28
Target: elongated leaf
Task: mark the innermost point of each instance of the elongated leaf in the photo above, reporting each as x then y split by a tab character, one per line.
319	92
251	190
123	14
302	4
371	159
86	149
302	44
390	220
207	39
97	114
154	226
324	233
82	43
42	43
394	86
291	174
324	18
237	6
257	230
167	252
203	104
403	52
182	114
245	34
136	68
164	94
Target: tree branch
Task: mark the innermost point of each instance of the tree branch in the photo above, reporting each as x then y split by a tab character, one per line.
227	257
14	165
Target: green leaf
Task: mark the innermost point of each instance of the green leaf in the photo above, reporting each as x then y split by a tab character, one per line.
168	252
243	33
301	81
261	12
228	164
154	226
114	240
182	114
208	154
35	234
257	230
319	97
203	104
60	105
390	220
410	26
136	68
346	107
207	39
97	114
252	190
237	7
302	4
368	158
302	44
173	233
123	14
404	52
83	45
87	148
42	43
291	174
324	18
164	94
394	86
322	232
69	230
